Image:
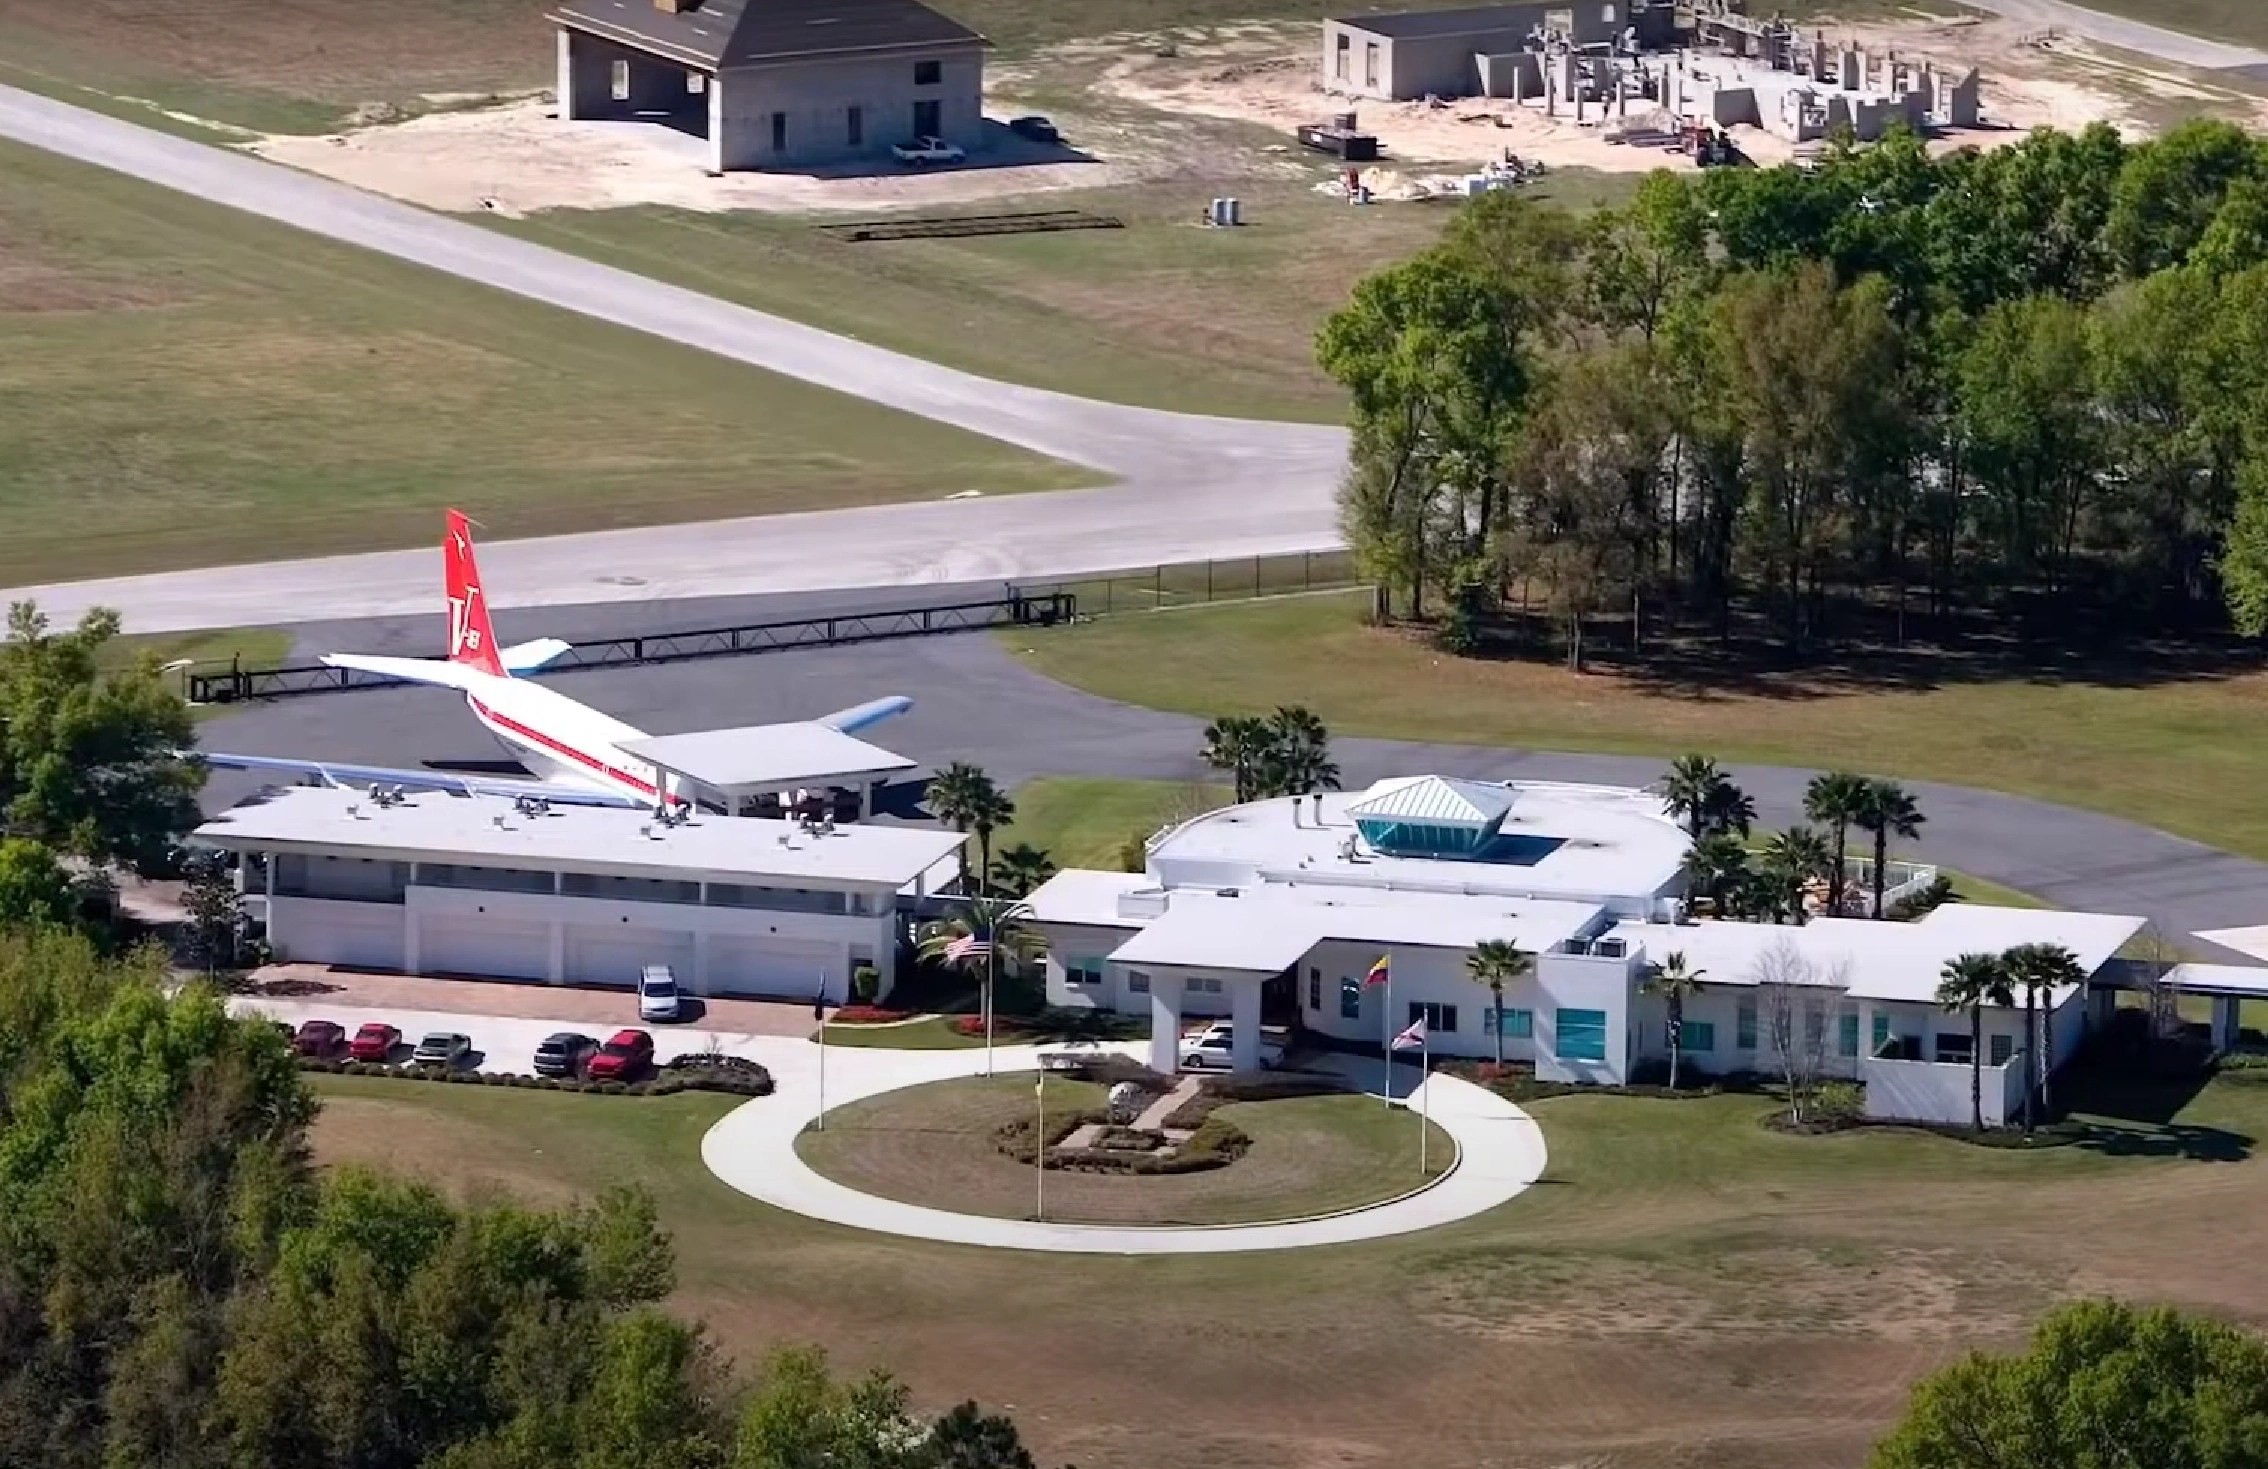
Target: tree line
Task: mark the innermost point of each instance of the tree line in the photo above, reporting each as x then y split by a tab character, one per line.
2036	376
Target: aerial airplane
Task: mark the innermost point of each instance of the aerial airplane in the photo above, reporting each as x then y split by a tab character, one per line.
573	750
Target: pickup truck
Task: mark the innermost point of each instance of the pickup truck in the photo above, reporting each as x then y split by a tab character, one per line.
922	152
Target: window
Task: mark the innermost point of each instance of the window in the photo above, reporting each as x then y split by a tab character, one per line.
1519	1025
1314	989
1581	1035
1137	983
1204	986
1846	1033
1606	15
2003	1047
779	132
855	129
1339	56
928	73
1082	971
1953	1046
1744	1029
1881	1033
928	119
1697	1035
1814	1027
1370	64
1350	999
618	80
1439	1019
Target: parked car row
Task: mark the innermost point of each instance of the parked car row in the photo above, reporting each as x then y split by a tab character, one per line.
624	1056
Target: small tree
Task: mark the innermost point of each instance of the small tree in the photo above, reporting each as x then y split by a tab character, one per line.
1790	994
1022	868
1713	866
1674	982
966	799
973	939
1295	755
1238	745
1836	800
1496	963
1695	791
1970	982
1792	858
2038	969
35	889
215	910
1887	810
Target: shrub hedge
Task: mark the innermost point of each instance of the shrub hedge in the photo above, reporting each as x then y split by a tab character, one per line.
868	1015
1215	1144
1219	1091
733	1075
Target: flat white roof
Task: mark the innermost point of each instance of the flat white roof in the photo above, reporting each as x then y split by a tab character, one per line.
1269	929
2218	979
1574	842
1086	896
1881	961
428	826
768	755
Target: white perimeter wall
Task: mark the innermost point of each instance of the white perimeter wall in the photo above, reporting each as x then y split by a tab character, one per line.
1939	1091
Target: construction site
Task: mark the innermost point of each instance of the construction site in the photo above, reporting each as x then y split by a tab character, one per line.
1679	76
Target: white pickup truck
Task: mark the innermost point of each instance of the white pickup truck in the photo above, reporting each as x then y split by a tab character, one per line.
922	152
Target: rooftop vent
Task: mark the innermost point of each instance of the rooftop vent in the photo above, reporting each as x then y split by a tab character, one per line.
676	7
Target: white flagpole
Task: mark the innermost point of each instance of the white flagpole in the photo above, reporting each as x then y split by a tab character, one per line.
991	982
1386	1032
1425	1101
819	1008
1039	1151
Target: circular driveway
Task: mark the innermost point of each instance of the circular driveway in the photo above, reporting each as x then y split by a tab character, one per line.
1500	1152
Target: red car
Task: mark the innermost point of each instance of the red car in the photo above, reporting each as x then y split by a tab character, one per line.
375	1041
623	1057
319	1038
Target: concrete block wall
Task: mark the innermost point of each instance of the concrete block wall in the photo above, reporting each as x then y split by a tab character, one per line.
816	98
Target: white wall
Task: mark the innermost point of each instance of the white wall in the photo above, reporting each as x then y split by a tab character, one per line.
1067	941
322	931
1939	1091
1585	982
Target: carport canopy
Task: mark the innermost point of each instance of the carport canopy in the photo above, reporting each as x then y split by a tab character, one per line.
756	759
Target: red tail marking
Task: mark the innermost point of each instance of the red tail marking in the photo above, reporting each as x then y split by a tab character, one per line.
472	638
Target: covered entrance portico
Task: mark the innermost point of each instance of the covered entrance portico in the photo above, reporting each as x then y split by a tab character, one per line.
1209	953
1170	987
2228	986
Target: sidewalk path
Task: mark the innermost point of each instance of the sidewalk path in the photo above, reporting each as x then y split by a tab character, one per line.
752	1149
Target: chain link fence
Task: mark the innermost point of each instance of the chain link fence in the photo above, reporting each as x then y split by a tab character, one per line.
1239	580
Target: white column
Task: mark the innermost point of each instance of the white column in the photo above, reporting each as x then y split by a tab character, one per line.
566	88
1244	1014
1165	1023
716	122
556	967
2226	1026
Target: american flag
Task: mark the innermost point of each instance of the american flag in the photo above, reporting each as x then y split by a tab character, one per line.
967	946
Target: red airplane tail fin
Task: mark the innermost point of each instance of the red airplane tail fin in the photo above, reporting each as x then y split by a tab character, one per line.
472	637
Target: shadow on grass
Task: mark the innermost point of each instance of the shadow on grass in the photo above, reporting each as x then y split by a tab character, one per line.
2122	1106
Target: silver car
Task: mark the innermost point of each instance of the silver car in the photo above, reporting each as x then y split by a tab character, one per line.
441	1048
657	993
1214	1049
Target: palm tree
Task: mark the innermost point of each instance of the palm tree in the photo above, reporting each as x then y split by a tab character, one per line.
1496	963
1835	800
1888	810
974	937
1022	868
1297	758
1673	982
2038	969
1692	789
992	811
957	795
1793	858
1238	743
1714	864
1970	982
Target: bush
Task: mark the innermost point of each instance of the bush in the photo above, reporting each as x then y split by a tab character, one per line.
865	984
1109	1070
867	1015
1839	1101
1215	1144
732	1075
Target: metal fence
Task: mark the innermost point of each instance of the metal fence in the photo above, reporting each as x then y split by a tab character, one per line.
229	683
1239	580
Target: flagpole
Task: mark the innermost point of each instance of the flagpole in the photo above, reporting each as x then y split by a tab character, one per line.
1425	1101
991	983
1039	1152
819	1008
1386	1033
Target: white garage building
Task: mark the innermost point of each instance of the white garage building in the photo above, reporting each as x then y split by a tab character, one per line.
1274	912
430	883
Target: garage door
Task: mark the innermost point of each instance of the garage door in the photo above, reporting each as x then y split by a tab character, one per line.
350	935
740	966
617	955
484	946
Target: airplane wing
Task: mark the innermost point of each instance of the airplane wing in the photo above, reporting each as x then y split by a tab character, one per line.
335	774
862	716
409	670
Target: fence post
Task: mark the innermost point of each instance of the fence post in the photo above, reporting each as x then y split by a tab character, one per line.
1256	577
1208	581
1157	587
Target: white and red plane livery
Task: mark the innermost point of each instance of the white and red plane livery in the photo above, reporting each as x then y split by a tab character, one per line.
573	750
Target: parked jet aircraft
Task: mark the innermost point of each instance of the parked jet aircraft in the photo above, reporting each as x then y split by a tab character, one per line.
574	750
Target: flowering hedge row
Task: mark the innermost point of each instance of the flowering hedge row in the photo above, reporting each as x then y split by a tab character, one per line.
734	1075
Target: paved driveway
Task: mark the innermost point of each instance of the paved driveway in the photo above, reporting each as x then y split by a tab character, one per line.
591	1008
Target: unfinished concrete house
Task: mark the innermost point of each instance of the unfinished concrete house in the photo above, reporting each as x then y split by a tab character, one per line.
1490	50
775	84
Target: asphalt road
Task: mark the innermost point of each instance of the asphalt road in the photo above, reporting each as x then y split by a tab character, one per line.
2129	35
973	701
1189	487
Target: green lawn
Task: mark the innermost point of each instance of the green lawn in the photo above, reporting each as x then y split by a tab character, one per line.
228	389
930	1033
1212	321
2135	740
1685	1287
252	645
1083	821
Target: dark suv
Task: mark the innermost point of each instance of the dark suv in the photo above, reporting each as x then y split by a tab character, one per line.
564	1054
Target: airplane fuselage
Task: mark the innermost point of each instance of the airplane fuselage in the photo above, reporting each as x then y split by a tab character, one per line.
560	739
